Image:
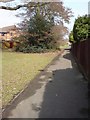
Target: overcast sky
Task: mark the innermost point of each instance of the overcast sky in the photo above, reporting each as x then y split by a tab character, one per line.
79	8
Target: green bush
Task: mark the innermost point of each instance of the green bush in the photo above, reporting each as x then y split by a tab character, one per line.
81	28
71	39
27	48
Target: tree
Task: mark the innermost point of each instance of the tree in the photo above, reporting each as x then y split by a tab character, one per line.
44	26
56	7
28	5
38	35
53	12
81	29
6	0
59	32
40	21
71	39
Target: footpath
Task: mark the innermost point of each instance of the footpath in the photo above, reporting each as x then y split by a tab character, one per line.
59	92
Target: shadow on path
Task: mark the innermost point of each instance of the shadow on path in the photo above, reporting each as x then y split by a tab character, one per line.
66	96
27	93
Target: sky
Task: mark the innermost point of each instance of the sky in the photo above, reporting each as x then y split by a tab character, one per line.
78	7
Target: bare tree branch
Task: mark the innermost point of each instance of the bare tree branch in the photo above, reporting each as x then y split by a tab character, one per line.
13	8
29	5
6	1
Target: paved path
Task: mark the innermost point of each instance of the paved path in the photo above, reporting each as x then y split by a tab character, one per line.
60	92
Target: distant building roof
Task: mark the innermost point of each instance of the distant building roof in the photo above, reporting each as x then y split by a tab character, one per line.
8	28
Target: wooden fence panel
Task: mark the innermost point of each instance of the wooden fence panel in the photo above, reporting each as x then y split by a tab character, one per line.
81	51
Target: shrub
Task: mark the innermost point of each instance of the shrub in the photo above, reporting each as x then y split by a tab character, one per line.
27	48
71	39
81	28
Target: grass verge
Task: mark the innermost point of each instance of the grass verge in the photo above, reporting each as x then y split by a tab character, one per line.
19	69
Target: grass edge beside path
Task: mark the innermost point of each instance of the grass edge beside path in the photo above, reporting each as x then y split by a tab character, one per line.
18	91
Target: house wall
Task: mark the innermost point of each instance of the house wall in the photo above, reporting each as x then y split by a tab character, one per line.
9	35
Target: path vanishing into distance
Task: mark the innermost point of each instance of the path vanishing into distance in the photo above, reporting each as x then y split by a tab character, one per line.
60	91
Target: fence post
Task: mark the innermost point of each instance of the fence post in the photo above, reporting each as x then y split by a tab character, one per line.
88	42
11	44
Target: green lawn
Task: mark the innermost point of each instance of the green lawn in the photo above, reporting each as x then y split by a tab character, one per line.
64	46
19	69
